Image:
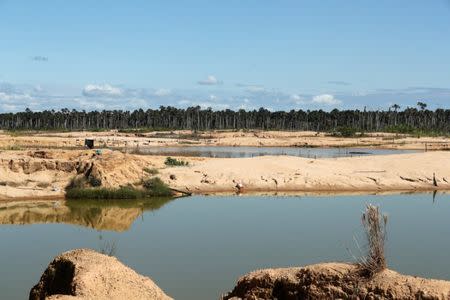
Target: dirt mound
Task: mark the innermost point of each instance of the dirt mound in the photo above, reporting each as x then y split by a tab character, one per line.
335	281
29	174
86	274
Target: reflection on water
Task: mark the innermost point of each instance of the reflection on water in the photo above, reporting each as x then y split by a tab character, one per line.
196	248
235	152
115	215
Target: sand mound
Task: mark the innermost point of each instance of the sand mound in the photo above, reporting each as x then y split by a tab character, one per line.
335	281
86	274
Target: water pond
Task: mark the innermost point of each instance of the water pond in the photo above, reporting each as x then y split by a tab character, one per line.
196	247
234	152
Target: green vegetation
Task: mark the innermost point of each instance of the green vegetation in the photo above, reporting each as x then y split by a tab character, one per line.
406	129
175	162
151	171
198	119
82	188
156	187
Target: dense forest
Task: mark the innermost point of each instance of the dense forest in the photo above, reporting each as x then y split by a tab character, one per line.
196	118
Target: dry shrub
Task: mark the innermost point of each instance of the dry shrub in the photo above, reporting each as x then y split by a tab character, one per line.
374	224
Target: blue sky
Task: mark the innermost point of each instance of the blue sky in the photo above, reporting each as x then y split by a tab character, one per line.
224	54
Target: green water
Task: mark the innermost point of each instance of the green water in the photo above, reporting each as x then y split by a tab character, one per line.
196	247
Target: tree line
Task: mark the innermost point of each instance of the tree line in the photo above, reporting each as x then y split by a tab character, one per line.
196	118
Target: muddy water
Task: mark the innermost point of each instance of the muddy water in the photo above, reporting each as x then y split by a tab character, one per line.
196	247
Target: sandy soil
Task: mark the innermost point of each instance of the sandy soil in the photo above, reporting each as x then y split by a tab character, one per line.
223	138
335	281
86	274
36	174
407	172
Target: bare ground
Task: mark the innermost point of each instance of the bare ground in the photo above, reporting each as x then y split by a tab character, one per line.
86	274
115	139
335	281
46	173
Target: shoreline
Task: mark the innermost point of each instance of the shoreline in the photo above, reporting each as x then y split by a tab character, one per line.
252	193
46	173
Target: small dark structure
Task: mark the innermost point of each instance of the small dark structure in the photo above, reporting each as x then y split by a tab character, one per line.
89	143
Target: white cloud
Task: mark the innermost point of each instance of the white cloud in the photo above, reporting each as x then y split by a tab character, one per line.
7	97
102	90
297	99
212	97
13	100
210	80
326	99
162	92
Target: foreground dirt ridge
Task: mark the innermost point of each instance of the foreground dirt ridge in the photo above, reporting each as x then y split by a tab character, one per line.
46	173
86	274
334	281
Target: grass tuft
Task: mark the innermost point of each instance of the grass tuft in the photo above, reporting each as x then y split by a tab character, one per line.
156	187
175	162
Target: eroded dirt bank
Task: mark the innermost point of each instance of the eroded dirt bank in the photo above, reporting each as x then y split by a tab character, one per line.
86	274
335	281
31	174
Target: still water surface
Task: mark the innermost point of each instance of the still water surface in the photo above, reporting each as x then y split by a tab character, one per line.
196	247
234	152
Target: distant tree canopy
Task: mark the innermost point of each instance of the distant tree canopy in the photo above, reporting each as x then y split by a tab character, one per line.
195	118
